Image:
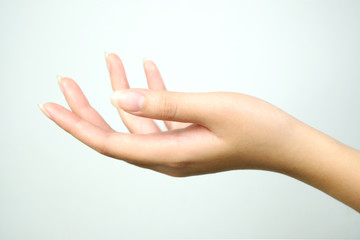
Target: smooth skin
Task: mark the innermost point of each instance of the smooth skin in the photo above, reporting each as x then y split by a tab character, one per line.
207	133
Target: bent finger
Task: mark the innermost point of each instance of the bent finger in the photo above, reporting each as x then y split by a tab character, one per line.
156	82
119	81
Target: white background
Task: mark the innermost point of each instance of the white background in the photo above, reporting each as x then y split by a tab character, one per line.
302	56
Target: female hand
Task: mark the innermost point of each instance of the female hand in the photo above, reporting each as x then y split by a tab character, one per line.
207	133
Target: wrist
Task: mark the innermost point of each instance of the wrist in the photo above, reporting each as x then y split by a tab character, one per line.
324	163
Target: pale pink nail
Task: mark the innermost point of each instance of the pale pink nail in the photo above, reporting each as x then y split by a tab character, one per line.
130	101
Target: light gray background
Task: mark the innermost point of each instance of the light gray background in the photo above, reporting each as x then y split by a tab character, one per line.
302	56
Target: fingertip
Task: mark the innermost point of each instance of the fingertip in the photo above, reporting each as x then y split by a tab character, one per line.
107	60
149	65
48	106
64	82
145	59
44	110
130	101
59	78
108	56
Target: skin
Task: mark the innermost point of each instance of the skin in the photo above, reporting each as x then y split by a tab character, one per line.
207	133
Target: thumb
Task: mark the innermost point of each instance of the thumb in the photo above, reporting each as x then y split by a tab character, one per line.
163	105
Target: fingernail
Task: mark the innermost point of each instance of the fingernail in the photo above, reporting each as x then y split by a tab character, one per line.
59	78
107	60
145	59
148	64
44	111
130	101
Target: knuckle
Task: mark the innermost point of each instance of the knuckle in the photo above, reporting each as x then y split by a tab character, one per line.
167	108
103	148
178	174
179	166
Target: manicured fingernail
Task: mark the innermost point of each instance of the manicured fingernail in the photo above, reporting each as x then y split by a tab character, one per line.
107	60
145	59
148	64
130	101
59	78
44	111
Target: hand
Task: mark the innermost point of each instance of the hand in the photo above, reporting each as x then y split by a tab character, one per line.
207	133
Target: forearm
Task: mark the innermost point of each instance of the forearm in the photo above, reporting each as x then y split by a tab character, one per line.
324	163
